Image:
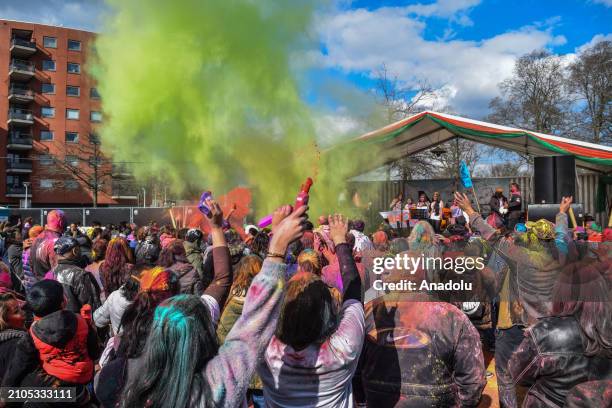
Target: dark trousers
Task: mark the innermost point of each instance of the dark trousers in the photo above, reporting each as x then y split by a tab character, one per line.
506	342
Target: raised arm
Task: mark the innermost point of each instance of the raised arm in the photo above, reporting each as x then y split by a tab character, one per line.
351	282
222	279
562	236
229	373
477	223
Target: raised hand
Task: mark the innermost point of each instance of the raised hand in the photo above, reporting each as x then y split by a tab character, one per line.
289	227
338	228
464	202
566	202
216	214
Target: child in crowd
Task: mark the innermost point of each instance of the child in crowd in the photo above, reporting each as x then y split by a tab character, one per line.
61	347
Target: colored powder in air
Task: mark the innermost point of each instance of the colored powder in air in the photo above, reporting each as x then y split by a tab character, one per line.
204	94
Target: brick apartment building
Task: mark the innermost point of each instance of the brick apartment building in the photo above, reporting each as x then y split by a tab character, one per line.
49	113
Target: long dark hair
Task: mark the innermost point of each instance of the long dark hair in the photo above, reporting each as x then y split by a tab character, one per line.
118	264
308	313
581	291
181	342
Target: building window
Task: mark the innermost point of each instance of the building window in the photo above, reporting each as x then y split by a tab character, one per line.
72	160
49	42
93	93
71	184
96	116
46	183
45	160
74	68
72	137
72	114
74	45
48	65
46	135
48	88
73	91
47	112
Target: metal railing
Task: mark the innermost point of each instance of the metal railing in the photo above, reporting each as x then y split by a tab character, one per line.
16	190
23	43
19	164
18	113
16	138
21	65
20	90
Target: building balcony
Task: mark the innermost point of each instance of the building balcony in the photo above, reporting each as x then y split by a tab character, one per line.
20	116
18	166
15	191
19	141
22	48
123	190
21	70
120	171
20	94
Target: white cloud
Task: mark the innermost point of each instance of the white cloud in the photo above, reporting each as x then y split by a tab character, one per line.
607	3
455	10
466	72
83	15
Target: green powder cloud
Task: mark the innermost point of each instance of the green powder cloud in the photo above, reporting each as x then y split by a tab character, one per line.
205	94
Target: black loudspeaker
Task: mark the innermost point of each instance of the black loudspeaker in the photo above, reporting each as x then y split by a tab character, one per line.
550	211
544	180
565	177
554	178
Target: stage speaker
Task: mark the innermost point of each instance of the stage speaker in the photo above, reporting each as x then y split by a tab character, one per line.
565	177
550	211
554	178
544	180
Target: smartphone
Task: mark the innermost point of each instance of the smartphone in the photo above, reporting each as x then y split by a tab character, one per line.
202	205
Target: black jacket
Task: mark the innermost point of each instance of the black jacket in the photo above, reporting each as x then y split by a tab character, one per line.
496	204
419	353
514	206
551	360
8	342
80	286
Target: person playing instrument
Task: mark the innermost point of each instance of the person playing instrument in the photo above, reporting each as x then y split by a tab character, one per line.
499	208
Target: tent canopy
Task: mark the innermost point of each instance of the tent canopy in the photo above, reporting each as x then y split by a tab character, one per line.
428	129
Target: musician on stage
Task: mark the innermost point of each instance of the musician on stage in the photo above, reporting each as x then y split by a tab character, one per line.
423	202
499	209
396	204
435	211
514	206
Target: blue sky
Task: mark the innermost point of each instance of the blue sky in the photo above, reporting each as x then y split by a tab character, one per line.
462	48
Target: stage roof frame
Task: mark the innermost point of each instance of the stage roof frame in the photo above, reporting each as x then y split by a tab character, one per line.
428	129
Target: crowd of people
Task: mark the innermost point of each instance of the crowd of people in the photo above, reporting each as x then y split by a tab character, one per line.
287	316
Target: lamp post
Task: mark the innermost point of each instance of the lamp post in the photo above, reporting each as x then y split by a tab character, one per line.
26	184
144	197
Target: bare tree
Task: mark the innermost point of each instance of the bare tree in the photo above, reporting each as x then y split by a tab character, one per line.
399	102
504	169
534	97
82	163
591	80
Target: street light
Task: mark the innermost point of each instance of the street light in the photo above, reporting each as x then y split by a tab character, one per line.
144	197
26	184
